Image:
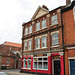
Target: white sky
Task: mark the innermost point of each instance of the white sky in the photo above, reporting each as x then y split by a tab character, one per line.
14	12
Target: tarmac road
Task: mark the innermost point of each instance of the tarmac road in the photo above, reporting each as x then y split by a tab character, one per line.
15	72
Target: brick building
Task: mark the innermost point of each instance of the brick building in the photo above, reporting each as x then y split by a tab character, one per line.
68	17
42	43
45	41
10	54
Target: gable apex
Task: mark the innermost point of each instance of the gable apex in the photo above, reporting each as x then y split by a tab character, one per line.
40	12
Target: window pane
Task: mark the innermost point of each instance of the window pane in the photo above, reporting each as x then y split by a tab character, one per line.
40	65
35	64
43	23
26	30
29	63
38	26
45	65
24	62
25	44
29	45
44	41
54	19
55	39
37	43
30	29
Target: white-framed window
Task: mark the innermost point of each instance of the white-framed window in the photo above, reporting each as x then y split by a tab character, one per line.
40	63
37	26
54	19
30	29
37	43
44	41
29	44
55	39
24	63
26	30
29	63
25	45
43	23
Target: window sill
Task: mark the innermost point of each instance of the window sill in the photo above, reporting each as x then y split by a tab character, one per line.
54	24
27	50
55	46
40	48
40	29
28	68
40	69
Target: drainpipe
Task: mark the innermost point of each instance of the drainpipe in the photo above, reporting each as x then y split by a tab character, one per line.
63	46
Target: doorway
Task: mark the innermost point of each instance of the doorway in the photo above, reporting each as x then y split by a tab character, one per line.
56	67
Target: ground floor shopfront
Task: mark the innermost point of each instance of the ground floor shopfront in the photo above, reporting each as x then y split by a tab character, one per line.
51	64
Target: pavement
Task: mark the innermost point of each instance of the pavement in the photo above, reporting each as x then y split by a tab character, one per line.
15	72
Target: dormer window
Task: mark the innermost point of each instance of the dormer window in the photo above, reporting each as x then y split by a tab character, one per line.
37	26
54	20
30	29
43	23
26	30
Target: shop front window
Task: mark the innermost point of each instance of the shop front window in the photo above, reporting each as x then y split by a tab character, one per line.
29	62
40	63
24	62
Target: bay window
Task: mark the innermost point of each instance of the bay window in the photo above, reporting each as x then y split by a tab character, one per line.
43	24
29	44
37	43
37	26
26	30
30	29
54	19
55	39
44	41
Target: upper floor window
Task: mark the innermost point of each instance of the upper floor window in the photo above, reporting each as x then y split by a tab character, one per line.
25	45
30	29
43	23
37	26
44	41
29	44
55	39
54	19
26	30
38	43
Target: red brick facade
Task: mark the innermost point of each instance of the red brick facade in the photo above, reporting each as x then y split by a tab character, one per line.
63	51
8	55
69	36
52	52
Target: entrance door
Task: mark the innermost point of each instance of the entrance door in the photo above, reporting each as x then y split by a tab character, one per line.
72	67
57	68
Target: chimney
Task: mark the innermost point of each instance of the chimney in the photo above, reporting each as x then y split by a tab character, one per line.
68	2
45	7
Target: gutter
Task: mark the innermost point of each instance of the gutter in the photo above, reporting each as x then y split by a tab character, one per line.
63	41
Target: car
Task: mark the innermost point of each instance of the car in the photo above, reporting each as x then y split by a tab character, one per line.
3	73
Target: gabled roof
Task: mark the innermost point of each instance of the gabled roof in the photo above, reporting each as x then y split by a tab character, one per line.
12	44
40	12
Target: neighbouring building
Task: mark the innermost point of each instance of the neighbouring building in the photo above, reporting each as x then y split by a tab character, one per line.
10	55
48	41
68	16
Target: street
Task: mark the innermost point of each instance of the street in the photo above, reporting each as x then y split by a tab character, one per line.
15	72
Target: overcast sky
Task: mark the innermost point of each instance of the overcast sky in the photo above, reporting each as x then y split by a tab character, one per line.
14	12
